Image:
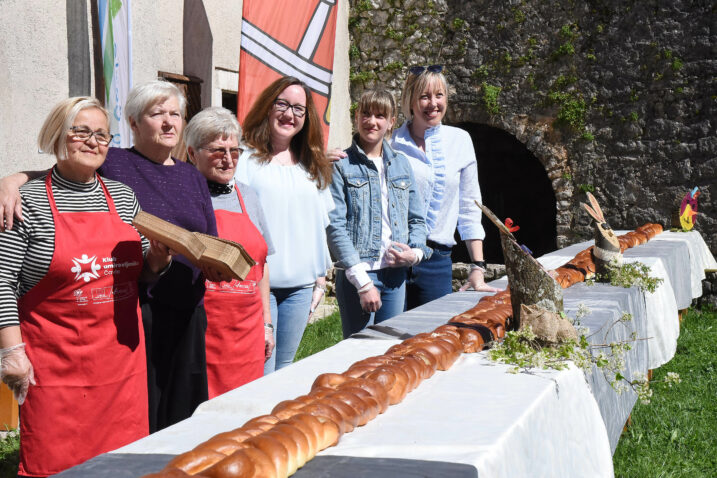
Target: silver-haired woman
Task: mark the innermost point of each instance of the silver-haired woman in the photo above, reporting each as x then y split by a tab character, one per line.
239	329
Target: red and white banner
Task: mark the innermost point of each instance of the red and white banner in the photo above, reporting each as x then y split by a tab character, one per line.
287	38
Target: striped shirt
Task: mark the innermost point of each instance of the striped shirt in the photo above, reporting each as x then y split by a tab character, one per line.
26	251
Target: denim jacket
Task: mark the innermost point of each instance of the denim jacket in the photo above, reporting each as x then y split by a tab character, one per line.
354	234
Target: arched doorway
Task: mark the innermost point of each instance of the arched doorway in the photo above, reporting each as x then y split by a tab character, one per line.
513	184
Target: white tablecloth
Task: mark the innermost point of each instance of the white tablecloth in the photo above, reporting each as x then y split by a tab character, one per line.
555	423
680	259
509	425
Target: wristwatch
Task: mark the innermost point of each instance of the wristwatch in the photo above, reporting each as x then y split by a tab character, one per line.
269	325
478	265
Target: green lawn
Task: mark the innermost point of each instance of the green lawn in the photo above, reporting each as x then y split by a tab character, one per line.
320	335
674	436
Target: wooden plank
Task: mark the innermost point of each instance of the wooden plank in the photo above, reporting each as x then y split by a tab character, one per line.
9	409
78	48
227	257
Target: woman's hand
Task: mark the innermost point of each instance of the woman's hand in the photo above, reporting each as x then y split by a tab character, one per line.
319	291
213	275
16	371
335	155
10	201
370	299
476	280
158	256
400	255
268	342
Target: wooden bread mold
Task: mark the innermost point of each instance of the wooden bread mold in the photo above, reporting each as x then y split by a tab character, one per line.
202	250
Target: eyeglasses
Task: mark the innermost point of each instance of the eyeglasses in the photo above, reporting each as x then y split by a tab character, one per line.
217	153
81	133
417	70
298	110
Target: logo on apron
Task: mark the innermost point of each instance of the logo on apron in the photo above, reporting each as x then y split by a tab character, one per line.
85	268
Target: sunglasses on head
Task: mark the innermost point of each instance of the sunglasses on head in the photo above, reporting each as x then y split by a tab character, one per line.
417	70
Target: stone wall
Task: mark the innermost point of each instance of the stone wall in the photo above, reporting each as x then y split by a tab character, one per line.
612	96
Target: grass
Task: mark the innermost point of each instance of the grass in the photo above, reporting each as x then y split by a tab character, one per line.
320	335
676	434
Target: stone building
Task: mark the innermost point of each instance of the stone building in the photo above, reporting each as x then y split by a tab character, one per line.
562	97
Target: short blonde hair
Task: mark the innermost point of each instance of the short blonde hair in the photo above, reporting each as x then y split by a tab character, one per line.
209	124
52	137
417	84
377	101
146	95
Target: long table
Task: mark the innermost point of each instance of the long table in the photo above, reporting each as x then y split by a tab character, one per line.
476	415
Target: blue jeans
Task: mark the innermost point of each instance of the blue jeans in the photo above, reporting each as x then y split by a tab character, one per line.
391	283
289	314
430	279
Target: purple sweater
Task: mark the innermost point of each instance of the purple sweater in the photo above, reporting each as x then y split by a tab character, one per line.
177	194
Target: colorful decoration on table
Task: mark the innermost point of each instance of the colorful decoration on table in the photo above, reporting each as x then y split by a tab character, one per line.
688	209
509	225
607	247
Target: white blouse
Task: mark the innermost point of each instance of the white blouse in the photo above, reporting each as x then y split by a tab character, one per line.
447	178
297	214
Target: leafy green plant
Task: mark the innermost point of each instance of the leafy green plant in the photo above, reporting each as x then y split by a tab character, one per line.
458	23
588	136
634	117
565	49
586	188
524	351
563	81
627	275
10	454
361	76
480	72
394	35
393	66
354	52
490	98
362	6
518	15
676	64
572	109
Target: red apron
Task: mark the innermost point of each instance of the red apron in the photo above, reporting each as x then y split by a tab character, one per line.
235	320
84	337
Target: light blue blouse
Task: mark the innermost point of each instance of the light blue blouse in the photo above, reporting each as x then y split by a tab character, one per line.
447	179
297	214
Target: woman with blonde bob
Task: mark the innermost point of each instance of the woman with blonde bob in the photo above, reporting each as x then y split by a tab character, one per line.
446	172
172	307
239	329
285	163
72	343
